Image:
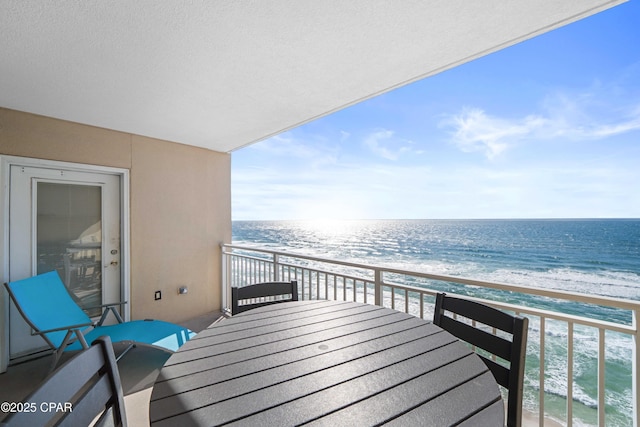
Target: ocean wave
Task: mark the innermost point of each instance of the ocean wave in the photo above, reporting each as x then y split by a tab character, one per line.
617	284
620	284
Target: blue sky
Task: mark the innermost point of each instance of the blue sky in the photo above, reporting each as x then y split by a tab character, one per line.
548	128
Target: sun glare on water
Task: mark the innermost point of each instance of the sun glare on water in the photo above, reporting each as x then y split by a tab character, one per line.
331	227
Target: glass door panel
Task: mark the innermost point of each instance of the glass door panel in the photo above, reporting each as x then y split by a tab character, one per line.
69	238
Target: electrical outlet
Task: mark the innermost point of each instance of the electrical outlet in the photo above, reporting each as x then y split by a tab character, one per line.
158	295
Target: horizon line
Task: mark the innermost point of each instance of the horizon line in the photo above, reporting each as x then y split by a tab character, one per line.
445	219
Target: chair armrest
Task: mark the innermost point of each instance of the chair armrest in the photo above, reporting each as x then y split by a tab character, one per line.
62	328
107	305
110	307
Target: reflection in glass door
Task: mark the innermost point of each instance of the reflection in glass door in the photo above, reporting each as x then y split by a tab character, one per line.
69	238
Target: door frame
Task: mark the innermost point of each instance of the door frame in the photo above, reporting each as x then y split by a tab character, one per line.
6	162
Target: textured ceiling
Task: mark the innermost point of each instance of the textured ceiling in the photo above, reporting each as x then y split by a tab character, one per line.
225	74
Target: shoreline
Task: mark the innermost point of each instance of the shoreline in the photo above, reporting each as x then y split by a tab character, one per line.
531	419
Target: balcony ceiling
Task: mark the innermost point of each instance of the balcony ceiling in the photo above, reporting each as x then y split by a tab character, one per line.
225	74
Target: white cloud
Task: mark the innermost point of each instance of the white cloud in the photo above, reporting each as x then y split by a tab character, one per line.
473	130
292	149
288	145
588	115
383	143
607	130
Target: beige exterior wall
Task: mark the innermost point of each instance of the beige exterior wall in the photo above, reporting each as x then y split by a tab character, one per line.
180	206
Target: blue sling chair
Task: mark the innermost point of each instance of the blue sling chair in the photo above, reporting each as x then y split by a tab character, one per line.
45	303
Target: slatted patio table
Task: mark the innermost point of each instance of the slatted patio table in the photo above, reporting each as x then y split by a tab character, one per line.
325	363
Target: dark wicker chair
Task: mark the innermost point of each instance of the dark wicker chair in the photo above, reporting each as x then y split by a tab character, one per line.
84	388
261	294
509	374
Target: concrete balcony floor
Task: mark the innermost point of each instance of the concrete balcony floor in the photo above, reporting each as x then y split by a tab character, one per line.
138	371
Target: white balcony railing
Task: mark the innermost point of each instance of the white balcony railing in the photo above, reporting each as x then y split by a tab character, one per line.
569	333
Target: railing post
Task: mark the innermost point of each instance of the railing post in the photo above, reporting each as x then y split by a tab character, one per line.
276	267
378	286
635	372
225	282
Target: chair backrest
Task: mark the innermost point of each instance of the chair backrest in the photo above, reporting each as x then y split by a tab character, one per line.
45	304
85	388
509	345
258	295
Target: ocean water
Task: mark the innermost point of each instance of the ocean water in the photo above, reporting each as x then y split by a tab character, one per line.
598	256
